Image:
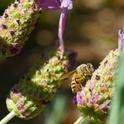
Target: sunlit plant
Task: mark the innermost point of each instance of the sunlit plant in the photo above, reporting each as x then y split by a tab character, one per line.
98	94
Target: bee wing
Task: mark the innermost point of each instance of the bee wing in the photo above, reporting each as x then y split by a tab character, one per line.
67	75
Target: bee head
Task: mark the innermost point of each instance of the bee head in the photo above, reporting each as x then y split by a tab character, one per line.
90	66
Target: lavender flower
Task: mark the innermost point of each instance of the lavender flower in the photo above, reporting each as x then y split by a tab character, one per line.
30	96
16	23
94	100
19	19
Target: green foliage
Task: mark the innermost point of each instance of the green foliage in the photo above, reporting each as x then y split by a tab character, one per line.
57	110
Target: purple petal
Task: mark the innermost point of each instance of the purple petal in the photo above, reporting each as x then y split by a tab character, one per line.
74	100
14	50
121	39
94	99
80	97
61	29
105	106
49	4
67	4
65	7
54	4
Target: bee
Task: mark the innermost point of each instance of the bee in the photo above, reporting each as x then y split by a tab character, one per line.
81	74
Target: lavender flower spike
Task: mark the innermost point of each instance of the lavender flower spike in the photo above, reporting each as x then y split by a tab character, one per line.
34	92
94	100
16	24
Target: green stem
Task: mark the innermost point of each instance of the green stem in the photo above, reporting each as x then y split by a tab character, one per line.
7	118
80	120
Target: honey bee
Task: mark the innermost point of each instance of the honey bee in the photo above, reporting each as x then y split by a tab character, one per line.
81	74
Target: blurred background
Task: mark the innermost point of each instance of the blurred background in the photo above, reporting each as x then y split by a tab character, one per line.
92	30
